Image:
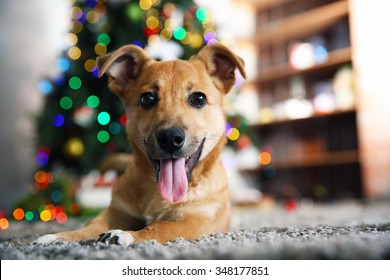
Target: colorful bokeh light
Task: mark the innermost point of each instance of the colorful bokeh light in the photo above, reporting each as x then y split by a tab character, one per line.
74	53
45	215
29	215
179	33
66	103
93	101
233	134
103	136
4	224
202	14
61	218
63	64
18	214
75	83
58	120
89	65
45	87
103	118
265	158
56	196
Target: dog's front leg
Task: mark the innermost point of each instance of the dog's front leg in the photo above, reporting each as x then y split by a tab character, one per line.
90	231
163	231
108	219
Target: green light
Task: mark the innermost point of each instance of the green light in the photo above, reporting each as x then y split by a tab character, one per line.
66	103
180	33
93	101
104	39
103	136
134	12
29	215
103	118
202	14
74	83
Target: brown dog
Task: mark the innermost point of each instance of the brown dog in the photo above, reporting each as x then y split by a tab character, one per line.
174	184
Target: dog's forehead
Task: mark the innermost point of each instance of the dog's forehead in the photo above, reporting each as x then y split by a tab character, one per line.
168	71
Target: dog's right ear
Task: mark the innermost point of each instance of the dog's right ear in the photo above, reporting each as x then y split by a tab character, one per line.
122	66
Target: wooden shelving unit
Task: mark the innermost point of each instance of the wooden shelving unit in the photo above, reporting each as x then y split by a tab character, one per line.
321	149
303	24
314	160
281	71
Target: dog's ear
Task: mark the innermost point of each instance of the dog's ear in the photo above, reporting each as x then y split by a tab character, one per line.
122	66
220	64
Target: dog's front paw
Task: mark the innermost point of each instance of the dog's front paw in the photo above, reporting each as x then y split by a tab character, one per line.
117	236
47	239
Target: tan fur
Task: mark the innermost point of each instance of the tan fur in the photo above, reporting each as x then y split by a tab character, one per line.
136	203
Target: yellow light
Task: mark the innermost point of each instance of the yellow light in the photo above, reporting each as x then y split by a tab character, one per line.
89	65
77	27
166	34
187	40
100	49
74	53
265	158
196	40
71	39
153	13
233	134
4	223
74	147
170	24
152	22
76	13
145	4
45	215
92	17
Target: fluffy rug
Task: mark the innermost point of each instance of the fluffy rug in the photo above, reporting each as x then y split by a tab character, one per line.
344	230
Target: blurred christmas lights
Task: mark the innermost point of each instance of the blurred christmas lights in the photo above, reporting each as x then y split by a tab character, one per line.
45	87
103	136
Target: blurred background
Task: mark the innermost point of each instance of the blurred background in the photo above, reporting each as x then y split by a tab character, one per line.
310	124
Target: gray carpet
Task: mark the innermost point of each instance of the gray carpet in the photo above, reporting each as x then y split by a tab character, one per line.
345	230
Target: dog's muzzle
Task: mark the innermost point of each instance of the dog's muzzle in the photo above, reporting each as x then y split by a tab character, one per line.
172	164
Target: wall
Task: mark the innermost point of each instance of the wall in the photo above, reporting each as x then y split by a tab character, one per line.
31	38
371	56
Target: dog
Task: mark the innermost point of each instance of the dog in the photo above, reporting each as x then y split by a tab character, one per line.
174	184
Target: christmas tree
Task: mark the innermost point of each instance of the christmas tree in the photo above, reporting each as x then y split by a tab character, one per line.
82	121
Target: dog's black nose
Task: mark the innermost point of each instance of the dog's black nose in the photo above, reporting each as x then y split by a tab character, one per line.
170	139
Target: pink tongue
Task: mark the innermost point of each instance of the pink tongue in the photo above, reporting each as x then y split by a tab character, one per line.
173	182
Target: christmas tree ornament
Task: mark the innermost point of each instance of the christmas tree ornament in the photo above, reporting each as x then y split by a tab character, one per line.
83	116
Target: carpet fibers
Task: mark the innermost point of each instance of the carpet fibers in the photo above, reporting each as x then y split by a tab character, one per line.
344	230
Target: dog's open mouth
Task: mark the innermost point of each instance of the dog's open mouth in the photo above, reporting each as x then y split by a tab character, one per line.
174	174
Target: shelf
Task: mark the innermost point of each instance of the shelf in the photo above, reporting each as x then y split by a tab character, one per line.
303	24
315	160
313	117
262	4
335	58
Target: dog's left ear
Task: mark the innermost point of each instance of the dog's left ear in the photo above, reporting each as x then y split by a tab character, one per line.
220	63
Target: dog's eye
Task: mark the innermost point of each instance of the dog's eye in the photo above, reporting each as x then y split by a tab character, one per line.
197	99
148	100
